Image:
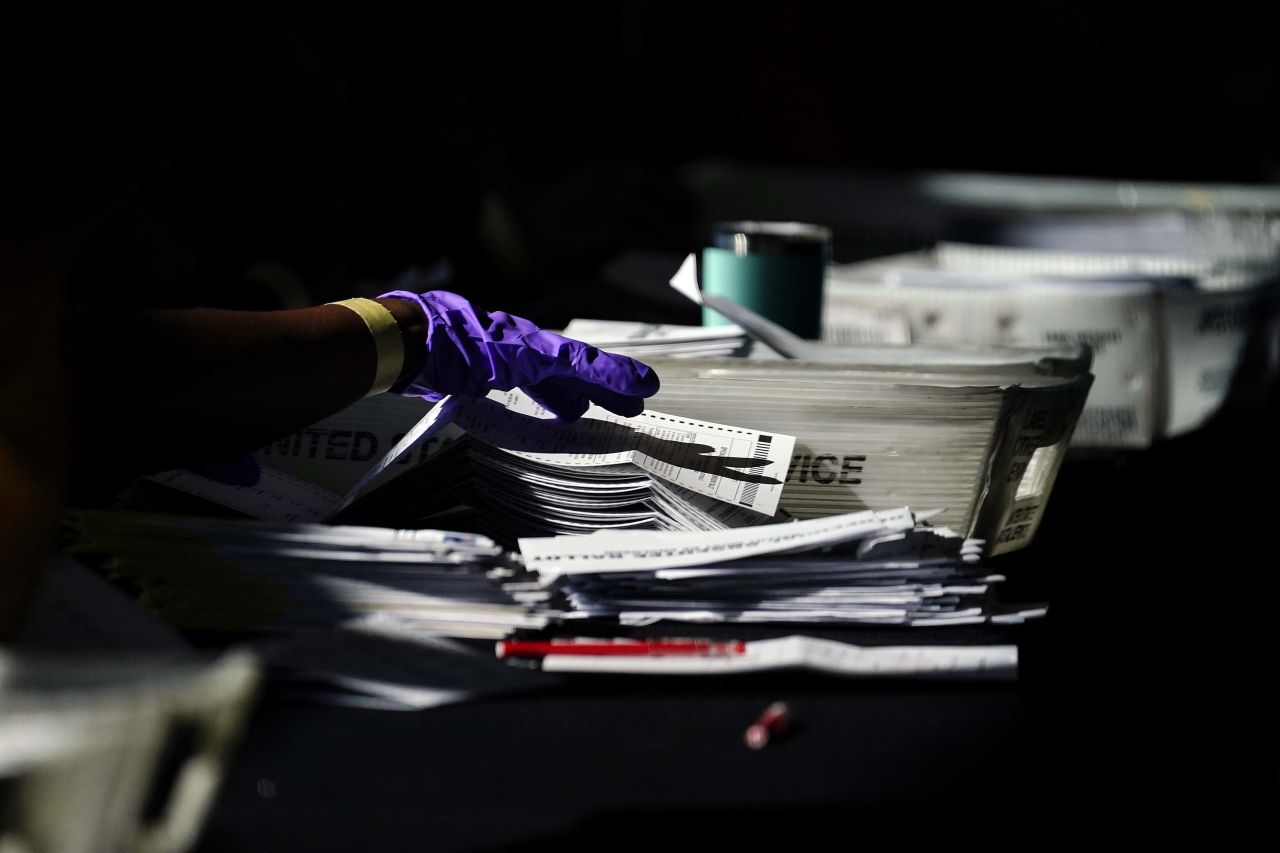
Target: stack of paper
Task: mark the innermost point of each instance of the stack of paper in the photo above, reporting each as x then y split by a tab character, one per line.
506	466
1169	331
883	570
380	660
653	340
520	472
246	577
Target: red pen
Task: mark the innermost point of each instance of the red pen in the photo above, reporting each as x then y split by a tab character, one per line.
617	648
772	723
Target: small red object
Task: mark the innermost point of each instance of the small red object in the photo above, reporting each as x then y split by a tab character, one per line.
772	723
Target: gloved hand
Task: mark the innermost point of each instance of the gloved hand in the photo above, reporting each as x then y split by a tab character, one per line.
471	351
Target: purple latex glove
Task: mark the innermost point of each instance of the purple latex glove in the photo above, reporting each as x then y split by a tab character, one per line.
471	351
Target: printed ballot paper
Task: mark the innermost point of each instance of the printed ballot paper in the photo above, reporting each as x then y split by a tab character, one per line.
611	552
507	463
505	466
700	456
877	568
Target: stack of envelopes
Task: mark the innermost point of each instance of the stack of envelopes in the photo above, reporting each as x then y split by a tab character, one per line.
979	436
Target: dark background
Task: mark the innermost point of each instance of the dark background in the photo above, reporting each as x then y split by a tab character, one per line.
280	156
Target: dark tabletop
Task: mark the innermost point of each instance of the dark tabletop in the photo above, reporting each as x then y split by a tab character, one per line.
1144	713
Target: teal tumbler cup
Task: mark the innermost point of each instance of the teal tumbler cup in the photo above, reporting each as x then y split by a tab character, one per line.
774	268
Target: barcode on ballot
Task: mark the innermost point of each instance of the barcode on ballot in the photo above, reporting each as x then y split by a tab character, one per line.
761	451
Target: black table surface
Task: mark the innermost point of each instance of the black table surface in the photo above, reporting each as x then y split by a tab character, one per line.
1144	713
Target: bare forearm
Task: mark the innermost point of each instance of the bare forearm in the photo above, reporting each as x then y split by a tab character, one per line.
167	388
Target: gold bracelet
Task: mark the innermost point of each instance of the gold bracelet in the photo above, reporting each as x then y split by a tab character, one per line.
387	341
